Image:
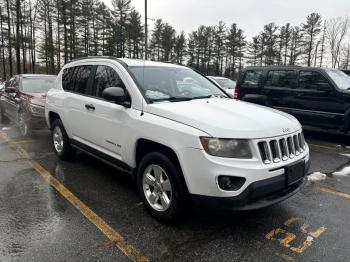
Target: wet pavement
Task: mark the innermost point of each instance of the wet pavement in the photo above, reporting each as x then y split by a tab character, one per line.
39	223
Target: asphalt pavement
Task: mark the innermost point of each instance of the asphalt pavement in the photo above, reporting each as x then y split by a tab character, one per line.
84	210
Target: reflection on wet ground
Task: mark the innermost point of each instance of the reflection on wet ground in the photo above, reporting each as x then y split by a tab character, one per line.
39	224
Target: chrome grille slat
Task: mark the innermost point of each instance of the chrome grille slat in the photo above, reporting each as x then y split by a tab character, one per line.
281	148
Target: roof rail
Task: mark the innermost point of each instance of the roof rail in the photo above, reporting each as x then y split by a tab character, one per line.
102	57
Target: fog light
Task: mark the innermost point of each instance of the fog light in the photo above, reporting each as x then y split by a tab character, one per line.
230	183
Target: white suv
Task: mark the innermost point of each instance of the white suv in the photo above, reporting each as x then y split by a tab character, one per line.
181	142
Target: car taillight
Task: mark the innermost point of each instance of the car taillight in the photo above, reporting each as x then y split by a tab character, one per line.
236	93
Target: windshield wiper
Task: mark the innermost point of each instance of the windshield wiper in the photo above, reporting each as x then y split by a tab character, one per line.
172	99
208	96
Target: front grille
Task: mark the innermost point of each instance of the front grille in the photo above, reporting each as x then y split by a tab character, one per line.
281	148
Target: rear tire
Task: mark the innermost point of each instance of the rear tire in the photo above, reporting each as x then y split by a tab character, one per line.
161	187
60	141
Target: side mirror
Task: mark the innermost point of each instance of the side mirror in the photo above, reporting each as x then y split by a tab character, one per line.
116	95
10	89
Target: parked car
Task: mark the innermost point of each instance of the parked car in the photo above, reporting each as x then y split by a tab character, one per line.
317	97
346	71
179	146
23	101
225	83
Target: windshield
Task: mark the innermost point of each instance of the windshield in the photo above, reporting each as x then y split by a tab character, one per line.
174	84
340	78
38	85
225	83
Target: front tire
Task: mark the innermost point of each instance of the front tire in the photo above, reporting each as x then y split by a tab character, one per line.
60	141
3	118
161	187
23	125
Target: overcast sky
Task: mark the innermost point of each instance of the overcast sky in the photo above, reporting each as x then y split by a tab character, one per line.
250	15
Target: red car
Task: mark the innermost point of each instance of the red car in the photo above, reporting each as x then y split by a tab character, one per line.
23	101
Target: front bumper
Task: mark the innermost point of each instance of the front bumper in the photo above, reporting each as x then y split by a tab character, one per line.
36	122
257	195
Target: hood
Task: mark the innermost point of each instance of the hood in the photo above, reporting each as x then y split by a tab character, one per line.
227	118
35	98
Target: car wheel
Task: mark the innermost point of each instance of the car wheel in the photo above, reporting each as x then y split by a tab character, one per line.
3	118
23	125
60	141
161	187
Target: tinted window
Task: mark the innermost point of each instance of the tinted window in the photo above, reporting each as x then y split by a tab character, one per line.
38	85
311	80
81	78
106	77
251	79
280	79
67	84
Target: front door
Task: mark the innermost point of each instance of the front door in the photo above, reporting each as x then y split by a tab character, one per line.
317	101
108	119
12	99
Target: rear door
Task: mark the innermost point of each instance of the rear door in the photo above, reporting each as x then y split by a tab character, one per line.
279	87
77	81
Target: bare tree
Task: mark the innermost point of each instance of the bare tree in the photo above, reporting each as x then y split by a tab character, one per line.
336	30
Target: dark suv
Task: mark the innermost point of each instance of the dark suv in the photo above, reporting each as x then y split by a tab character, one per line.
315	96
23	101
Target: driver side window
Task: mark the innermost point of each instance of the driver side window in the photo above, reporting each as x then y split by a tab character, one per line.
105	77
312	80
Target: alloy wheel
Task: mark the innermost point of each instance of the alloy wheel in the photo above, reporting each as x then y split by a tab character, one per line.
157	188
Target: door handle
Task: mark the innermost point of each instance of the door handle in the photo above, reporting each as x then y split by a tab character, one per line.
90	107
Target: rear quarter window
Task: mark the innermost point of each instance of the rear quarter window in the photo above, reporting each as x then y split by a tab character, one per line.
67	84
251	79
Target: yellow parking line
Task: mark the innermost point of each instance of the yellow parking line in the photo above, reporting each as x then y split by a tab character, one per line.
113	235
23	141
331	191
321	146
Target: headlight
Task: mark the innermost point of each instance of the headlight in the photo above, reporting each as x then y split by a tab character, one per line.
37	110
222	147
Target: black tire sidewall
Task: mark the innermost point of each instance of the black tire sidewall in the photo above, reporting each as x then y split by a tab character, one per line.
177	205
22	114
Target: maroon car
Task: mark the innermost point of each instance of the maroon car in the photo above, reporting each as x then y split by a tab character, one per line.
23	101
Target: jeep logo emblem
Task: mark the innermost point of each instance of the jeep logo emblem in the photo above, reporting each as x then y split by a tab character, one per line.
285	130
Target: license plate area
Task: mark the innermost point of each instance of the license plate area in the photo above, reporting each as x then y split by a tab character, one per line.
295	172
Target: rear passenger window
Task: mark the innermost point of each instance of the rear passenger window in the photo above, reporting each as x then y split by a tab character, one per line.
251	79
106	77
81	77
281	78
311	80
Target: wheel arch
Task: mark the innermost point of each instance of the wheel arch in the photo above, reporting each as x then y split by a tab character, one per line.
52	117
145	146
